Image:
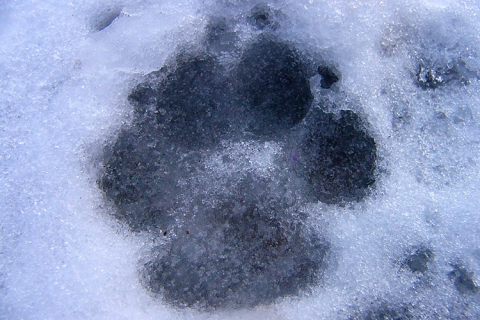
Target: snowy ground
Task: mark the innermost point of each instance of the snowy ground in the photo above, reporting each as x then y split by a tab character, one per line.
402	241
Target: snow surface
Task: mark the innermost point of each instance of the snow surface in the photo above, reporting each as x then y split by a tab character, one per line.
408	247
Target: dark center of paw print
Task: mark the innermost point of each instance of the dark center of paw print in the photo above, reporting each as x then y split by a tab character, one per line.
233	235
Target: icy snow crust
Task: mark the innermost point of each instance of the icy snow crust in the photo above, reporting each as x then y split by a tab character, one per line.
241	159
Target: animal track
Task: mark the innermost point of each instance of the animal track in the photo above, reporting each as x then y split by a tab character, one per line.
239	240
